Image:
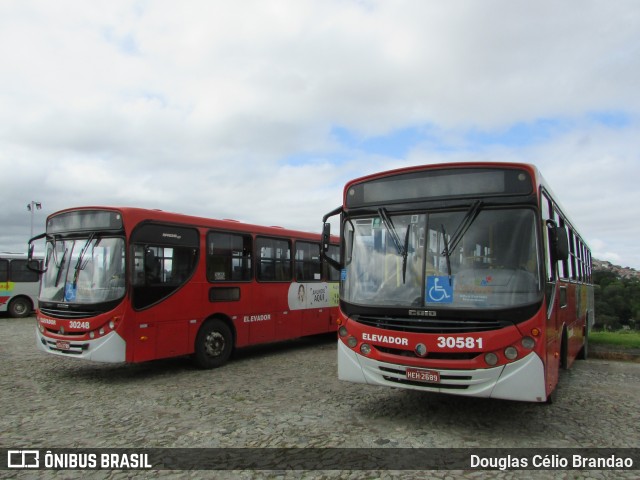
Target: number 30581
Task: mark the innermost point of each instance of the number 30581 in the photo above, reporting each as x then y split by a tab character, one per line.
459	342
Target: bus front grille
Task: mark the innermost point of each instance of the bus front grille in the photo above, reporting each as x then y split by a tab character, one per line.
66	314
428	325
430	355
447	382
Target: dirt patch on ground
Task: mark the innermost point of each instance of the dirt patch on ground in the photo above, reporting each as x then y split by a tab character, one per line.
608	352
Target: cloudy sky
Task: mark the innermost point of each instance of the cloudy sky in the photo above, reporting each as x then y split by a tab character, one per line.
261	110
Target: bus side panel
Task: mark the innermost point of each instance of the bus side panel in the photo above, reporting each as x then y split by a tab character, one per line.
163	330
573	324
553	336
173	339
269	314
569	317
141	346
584	311
289	324
311	321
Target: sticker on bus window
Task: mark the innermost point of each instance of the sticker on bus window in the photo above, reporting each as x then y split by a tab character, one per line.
439	290
69	292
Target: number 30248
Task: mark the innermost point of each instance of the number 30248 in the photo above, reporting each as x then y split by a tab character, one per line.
76	324
459	342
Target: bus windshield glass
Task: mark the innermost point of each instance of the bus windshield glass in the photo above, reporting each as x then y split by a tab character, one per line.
84	270
478	258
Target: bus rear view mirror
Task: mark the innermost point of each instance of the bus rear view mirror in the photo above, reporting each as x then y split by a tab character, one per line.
35	265
559	241
326	236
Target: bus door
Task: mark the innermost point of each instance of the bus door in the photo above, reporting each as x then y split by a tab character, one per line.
164	259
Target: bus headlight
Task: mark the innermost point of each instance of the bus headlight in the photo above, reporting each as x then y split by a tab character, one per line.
112	324
365	349
528	343
92	335
342	331
352	342
491	359
511	353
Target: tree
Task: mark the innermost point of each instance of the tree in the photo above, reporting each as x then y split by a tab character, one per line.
617	301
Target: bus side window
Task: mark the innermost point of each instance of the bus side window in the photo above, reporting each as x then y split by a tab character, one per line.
332	274
4	270
308	266
228	257
18	272
274	259
160	268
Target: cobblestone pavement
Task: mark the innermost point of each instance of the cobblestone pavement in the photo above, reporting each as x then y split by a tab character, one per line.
288	395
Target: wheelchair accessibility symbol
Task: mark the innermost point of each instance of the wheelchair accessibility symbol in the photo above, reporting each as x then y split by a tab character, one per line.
439	290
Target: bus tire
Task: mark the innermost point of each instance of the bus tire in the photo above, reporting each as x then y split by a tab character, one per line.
214	344
583	354
19	307
564	350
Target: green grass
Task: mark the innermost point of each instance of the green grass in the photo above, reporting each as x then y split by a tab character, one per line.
620	339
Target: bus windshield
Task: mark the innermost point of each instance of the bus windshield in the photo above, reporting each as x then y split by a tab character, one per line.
478	258
84	270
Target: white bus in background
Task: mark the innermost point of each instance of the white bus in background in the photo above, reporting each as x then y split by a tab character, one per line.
19	286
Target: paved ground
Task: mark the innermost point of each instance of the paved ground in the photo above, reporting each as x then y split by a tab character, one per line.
288	395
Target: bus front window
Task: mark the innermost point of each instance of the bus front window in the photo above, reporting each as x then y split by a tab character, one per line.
84	271
492	264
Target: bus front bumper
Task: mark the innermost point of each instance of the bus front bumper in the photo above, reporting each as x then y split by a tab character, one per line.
110	349
521	380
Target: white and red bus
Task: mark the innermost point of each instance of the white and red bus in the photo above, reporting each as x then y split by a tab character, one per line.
465	278
131	285
18	285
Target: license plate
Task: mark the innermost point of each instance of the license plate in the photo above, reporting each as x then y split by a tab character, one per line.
426	376
61	345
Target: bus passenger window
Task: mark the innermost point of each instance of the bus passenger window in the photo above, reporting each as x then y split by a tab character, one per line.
274	259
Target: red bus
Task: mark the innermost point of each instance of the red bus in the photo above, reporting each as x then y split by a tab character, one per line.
463	278
131	285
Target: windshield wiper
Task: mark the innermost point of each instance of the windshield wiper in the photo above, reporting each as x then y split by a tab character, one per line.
465	223
61	267
405	254
403	248
79	264
391	229
446	252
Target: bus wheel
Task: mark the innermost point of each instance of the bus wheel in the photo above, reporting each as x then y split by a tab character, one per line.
214	343
19	307
583	354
